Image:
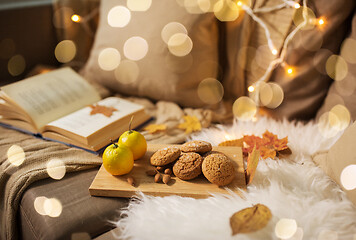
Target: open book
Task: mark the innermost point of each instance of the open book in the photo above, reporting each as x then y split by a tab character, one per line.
62	106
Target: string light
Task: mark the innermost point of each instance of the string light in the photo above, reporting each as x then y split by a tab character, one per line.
289	70
274	51
297	6
76	18
320	21
251	88
239	3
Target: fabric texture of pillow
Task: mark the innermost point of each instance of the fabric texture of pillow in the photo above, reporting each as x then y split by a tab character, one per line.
158	74
343	91
308	51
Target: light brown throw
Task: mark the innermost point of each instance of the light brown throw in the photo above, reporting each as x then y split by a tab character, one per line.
14	180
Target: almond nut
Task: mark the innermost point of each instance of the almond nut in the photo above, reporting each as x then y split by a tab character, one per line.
166	178
158	178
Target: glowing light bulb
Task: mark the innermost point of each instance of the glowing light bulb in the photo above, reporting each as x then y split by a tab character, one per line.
239	3
296	5
75	18
321	21
290	70
251	88
274	51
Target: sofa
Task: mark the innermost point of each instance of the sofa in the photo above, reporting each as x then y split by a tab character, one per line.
308	93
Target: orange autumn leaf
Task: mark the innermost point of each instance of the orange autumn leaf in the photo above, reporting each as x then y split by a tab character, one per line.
267	152
281	144
269	144
155	128
190	124
106	111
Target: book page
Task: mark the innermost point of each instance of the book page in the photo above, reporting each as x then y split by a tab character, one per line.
49	96
83	123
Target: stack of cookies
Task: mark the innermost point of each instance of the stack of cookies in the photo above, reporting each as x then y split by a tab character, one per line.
194	158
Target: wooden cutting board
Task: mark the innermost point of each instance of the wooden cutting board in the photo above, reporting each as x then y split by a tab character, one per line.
104	184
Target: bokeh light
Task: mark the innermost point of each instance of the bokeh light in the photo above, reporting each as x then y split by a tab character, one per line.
244	108
135	48
180	44
62	17
65	51
296	5
343	115
109	59
348	50
127	72
251	88
328	235
336	67
56	168
299	19
298	235
52	207
139	5
39	205
16	155
226	10
206	5
347	86
192	6
320	58
172	28
210	91
119	16
348	177
80	236
7	48
285	228
76	18
271	95
265	93
332	122
179	64
16	65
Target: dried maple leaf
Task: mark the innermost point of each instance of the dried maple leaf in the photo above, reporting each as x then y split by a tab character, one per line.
269	145
155	128
252	163
280	144
190	124
107	111
267	152
250	219
233	143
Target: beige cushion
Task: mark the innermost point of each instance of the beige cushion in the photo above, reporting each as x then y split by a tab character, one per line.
161	75
343	91
341	155
306	90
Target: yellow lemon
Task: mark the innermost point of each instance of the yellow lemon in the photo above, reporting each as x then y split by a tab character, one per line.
135	141
118	159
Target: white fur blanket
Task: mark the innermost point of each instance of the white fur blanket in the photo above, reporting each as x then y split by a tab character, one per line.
292	188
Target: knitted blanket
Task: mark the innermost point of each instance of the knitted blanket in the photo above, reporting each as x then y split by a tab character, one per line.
23	160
